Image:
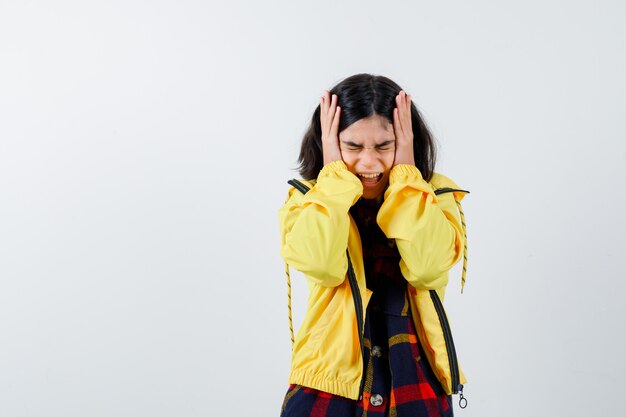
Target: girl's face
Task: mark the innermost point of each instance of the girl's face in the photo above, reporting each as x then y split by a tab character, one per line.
368	150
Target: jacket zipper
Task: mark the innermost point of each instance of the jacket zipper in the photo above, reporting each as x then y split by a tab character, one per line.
447	336
358	306
457	387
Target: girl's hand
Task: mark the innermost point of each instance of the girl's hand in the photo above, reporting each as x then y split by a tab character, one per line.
403	130
329	119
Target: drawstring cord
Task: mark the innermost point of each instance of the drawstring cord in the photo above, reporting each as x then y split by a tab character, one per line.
458	203
289	304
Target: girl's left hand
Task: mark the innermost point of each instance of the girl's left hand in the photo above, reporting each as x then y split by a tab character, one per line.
403	130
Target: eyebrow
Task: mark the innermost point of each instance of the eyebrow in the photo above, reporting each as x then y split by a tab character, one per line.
378	145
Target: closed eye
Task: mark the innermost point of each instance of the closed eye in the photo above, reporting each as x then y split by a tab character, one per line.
386	145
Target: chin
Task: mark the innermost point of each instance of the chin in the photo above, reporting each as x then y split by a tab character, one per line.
372	195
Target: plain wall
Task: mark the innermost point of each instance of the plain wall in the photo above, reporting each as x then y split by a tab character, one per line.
144	152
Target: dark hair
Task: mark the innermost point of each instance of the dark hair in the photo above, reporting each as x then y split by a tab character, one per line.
361	96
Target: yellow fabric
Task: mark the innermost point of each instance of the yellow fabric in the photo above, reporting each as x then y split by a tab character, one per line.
431	337
316	229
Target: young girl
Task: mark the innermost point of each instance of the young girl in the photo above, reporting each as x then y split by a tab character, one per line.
375	231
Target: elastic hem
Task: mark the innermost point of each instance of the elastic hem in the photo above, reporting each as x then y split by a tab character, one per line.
325	384
332	167
405	172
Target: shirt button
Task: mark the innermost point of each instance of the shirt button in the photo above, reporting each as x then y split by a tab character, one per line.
391	243
377	351
376	400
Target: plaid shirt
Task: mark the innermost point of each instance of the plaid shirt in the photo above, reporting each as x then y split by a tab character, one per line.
398	381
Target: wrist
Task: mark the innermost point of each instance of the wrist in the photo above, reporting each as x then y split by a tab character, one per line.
404	155
331	154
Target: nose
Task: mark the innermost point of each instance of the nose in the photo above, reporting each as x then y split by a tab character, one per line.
369	158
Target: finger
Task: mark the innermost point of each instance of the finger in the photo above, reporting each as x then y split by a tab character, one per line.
326	100
335	126
328	109
400	105
404	108
324	112
331	115
395	120
408	104
407	123
397	125
404	96
321	107
406	100
333	104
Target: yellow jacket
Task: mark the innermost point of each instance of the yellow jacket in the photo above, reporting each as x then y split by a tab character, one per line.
316	229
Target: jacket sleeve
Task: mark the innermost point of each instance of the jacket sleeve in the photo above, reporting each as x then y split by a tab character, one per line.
314	227
426	227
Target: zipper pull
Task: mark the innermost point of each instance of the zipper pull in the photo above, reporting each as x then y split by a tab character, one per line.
462	399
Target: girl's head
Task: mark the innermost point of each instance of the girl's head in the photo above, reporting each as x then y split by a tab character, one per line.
369	100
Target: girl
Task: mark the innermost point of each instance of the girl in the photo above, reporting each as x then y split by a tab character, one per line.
375	231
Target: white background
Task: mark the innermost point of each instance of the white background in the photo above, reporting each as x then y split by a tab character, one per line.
144	152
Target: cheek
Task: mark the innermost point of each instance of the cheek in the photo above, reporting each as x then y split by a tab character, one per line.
350	161
388	161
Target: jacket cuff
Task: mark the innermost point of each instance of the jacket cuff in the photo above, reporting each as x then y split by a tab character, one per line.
332	167
405	173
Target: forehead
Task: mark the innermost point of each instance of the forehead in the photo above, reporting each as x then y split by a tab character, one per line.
375	128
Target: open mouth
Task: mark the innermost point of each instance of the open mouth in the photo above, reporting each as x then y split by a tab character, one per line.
370	179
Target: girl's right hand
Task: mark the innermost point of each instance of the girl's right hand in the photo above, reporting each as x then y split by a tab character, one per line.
329	120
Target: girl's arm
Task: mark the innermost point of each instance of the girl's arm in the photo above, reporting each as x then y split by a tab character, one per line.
314	227
426	227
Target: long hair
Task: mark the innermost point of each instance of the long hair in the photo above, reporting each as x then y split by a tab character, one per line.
361	96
